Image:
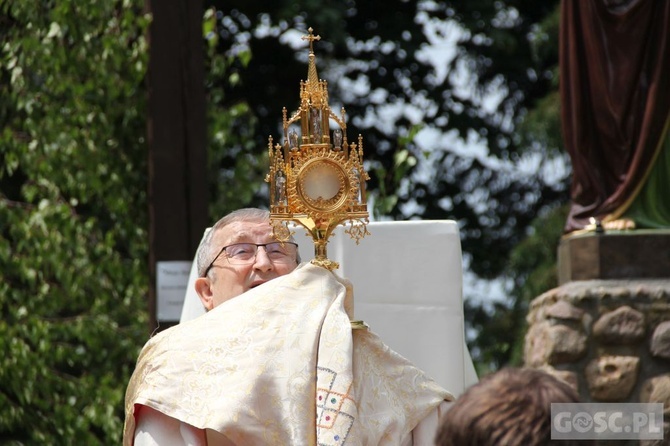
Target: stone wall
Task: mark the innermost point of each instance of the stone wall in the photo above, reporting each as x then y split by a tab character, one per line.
610	339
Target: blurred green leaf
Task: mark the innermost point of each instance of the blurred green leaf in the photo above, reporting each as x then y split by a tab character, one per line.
73	217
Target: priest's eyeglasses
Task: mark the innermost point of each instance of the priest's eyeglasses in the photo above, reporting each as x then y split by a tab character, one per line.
245	253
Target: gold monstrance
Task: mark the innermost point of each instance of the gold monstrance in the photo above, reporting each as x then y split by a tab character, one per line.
316	180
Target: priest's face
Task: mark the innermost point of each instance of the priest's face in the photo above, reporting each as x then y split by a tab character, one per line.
228	278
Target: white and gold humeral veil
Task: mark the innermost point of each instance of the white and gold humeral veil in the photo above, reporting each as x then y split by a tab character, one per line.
280	365
283	364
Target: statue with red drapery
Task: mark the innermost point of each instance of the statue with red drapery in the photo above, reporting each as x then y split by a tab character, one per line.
615	98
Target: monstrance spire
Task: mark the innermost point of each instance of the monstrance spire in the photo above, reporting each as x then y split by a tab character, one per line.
317	178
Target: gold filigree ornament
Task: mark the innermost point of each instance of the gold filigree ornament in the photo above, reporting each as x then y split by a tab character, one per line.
317	180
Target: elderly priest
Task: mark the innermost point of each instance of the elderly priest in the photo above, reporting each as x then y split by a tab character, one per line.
275	360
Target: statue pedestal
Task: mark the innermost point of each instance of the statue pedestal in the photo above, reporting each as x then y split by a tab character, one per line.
610	339
605	329
638	254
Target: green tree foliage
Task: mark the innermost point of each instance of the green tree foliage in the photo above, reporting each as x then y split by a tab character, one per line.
73	217
230	126
501	325
530	268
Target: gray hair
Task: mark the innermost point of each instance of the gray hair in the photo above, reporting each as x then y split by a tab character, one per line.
207	251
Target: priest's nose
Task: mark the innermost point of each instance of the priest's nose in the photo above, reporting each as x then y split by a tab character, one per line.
262	262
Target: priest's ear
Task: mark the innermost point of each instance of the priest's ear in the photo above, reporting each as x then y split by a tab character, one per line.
204	289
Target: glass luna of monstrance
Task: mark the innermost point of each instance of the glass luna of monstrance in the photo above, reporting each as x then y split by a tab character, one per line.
317	180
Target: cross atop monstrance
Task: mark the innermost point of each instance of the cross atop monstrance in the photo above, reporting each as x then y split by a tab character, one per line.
316	180
311	37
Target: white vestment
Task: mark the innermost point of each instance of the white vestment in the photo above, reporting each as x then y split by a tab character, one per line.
280	365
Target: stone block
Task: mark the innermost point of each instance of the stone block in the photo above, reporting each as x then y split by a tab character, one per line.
612	378
660	340
621	326
637	254
548	343
657	390
564	311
